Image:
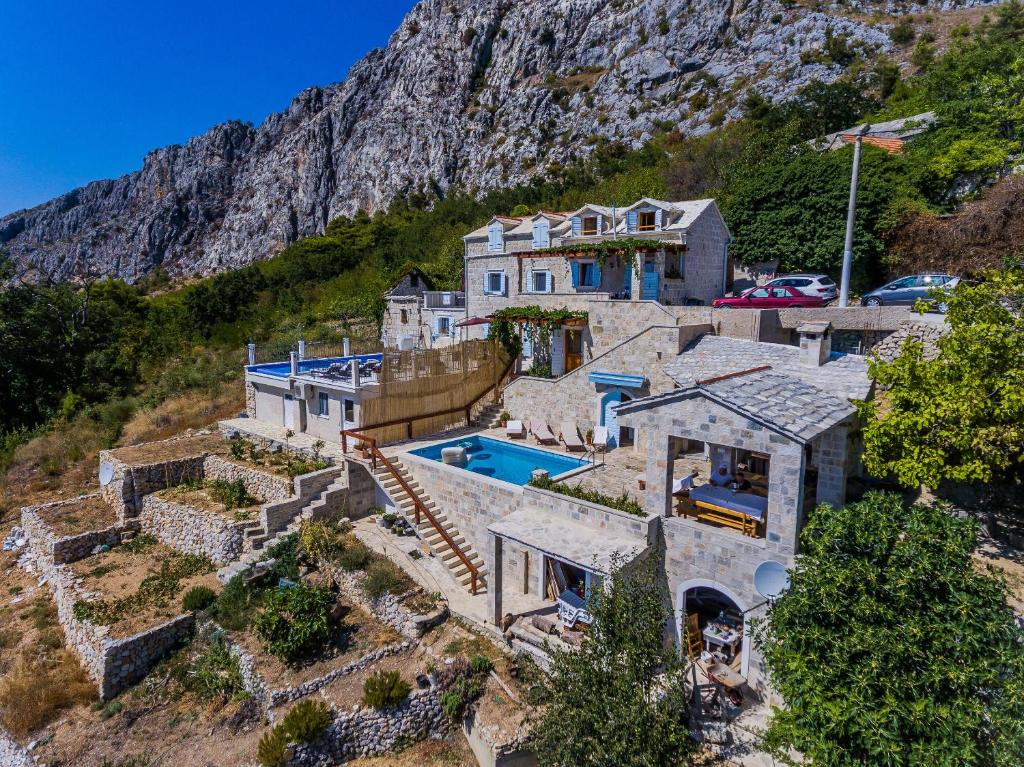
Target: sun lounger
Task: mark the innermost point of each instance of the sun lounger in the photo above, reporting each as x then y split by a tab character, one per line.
570	435
515	430
601	438
572	608
542	433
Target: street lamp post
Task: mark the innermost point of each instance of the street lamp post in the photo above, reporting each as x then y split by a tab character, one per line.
851	211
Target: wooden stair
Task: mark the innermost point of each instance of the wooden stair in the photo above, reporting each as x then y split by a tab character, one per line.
426	530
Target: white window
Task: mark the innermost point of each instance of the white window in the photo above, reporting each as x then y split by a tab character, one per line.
444	326
349	409
540	281
446	299
324	403
494	283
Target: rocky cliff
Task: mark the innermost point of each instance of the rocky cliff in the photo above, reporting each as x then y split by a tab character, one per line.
467	94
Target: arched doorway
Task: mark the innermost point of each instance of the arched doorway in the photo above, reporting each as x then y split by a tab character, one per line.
617	436
719	609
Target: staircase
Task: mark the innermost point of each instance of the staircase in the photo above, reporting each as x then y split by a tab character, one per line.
487	418
426	530
255	537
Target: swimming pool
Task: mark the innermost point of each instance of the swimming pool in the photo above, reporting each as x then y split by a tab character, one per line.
284	369
504	460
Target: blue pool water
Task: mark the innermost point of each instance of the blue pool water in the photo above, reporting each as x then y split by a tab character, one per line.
283	369
504	460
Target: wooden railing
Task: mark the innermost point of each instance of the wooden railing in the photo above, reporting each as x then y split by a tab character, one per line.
421	508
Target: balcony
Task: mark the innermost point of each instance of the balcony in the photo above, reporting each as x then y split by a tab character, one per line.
443	299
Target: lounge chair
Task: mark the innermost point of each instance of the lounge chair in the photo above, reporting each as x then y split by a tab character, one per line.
572	608
570	435
515	430
601	438
542	433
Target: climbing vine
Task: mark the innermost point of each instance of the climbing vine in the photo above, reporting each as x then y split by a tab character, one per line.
627	249
504	328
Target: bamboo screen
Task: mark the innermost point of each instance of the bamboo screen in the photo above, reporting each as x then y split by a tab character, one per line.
421	381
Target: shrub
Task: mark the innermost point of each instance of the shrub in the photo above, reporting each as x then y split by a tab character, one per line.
382	577
903	33
286	557
198	598
355	556
623	502
233	494
456	698
303	724
321	543
214	672
236	604
237	448
385	689
478	664
140	543
294	621
109	710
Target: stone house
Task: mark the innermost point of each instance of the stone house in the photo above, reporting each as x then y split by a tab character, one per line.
418	316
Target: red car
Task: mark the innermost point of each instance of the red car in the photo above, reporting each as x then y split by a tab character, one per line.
775	297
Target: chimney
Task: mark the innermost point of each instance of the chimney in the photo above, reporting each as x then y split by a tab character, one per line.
815	343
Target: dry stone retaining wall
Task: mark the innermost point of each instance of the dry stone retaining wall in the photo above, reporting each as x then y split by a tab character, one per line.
260	484
368	732
388	608
70	548
192	531
13	755
130	483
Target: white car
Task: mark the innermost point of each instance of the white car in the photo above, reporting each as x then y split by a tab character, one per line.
820	285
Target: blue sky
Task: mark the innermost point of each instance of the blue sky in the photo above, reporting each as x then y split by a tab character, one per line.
88	88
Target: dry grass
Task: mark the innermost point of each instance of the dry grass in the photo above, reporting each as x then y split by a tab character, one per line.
452	752
188	411
37	688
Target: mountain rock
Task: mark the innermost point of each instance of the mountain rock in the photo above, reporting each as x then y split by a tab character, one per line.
468	94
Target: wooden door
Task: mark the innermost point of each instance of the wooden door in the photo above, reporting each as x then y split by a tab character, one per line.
573	350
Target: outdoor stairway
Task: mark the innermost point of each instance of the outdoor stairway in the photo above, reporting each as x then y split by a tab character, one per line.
487	418
255	538
426	531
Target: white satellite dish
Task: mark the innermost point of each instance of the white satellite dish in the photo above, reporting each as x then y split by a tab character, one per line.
106	473
771	579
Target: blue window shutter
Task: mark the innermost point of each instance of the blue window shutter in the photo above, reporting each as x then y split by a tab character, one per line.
549	282
536	235
597	275
502	290
495	237
657	218
545	234
631	221
575	274
527	341
629	279
577	226
600	224
487	287
530	285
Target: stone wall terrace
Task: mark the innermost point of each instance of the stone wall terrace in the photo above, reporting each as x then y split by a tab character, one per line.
70	548
192	531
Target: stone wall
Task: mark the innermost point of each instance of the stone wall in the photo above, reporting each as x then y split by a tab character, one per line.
13	755
260	484
193	531
388	608
471	501
368	732
130	483
644	529
250	399
276	516
113	664
70	548
705	260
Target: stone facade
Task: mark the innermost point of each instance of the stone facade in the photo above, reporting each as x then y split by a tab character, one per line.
61	550
193	531
368	732
306	487
260	484
130	483
387	608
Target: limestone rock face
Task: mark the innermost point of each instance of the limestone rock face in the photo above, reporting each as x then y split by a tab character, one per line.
468	94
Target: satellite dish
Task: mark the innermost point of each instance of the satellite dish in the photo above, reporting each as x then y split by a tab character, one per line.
771	579
106	473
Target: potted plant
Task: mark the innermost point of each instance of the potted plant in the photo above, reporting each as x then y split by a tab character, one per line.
379	516
389	519
504	417
590	436
362	450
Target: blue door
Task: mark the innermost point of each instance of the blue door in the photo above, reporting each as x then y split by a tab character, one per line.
629	280
610	418
650	286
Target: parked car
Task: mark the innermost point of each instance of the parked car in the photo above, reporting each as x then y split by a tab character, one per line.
764	297
907	290
808	284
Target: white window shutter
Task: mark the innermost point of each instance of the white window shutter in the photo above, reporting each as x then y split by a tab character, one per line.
502	289
530	285
487	286
600	224
657	218
631	221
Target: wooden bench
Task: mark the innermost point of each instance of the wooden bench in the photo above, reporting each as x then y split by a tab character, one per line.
727	517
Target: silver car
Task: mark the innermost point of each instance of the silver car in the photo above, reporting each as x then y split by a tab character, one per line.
809	284
907	290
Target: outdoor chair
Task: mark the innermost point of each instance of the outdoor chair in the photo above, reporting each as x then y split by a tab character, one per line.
515	430
601	438
570	435
542	433
572	608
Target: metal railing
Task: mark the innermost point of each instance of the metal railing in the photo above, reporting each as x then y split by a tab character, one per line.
435	299
420	507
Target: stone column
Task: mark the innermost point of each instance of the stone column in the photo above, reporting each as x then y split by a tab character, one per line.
636	289
346	346
495	584
830	457
251	351
355	373
302	348
659	473
293	358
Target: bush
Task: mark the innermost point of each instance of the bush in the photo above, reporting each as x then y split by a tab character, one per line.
303	724
213	671
35	689
233	494
198	598
623	502
294	621
385	689
382	578
460	684
236	604
320	542
478	664
903	33
355	556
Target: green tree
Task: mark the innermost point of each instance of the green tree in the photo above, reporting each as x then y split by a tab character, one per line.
619	700
959	415
891	648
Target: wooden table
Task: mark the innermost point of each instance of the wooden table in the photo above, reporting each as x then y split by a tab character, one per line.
741	511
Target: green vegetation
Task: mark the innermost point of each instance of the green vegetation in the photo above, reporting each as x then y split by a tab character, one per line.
213	671
198	598
619	699
959	416
304	723
461	682
385	689
892	646
623	502
295	621
384	577
233	494
155	590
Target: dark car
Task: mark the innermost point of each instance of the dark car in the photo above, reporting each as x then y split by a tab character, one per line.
907	290
765	297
